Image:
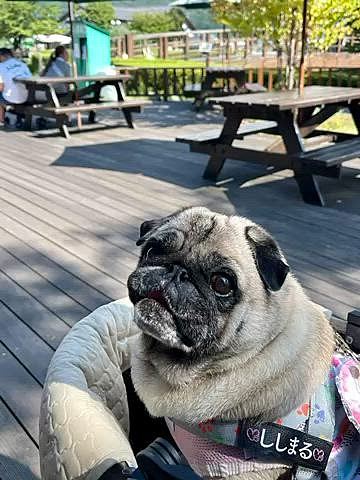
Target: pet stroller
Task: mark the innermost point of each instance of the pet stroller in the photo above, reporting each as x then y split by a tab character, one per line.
86	429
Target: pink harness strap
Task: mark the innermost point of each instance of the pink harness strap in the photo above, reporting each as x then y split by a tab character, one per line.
210	459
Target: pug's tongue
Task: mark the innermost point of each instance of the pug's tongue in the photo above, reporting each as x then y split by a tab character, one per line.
154	320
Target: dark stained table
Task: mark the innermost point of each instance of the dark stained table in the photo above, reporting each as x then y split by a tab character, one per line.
233	79
96	82
79	95
297	116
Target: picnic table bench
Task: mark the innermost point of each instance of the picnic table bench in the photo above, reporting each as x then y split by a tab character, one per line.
233	81
80	99
296	117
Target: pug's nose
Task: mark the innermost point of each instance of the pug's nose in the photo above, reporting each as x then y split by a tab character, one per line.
180	274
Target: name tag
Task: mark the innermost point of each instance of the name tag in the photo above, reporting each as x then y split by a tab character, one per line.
286	444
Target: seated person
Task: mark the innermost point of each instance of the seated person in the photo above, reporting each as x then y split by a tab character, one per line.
11	92
58	67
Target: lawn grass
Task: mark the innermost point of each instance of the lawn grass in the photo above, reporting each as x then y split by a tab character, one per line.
156	62
340	122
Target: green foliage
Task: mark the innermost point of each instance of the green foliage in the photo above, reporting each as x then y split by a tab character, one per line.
332	20
38	61
267	19
280	20
119	30
25	19
100	13
158	22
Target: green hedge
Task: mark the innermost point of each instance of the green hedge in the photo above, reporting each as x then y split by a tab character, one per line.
38	61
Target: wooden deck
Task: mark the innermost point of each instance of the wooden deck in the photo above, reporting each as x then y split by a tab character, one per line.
69	217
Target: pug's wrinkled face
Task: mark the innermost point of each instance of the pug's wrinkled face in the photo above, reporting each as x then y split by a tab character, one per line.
197	276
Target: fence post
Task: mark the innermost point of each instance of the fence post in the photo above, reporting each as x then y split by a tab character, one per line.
118	47
129	44
166	84
308	78
186	48
227	47
164	41
260	73
270	80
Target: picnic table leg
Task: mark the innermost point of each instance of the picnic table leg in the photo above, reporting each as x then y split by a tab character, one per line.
307	183
121	98
92	113
28	116
27	121
355	112
61	125
128	117
204	92
217	160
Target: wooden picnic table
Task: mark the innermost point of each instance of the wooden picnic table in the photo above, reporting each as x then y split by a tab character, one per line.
233	78
80	98
293	117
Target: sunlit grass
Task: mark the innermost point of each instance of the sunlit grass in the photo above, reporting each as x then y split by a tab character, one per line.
340	122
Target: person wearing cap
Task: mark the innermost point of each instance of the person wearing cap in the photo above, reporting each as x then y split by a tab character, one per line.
11	92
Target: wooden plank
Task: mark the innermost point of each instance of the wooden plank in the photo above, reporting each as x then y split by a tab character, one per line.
53	221
72	108
336	265
19	456
79	79
72	264
29	349
274	200
86	224
52	298
20	392
108	158
69	284
312	96
32	312
208	135
100	260
334	154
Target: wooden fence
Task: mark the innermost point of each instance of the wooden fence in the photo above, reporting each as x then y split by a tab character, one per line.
181	45
166	82
226	46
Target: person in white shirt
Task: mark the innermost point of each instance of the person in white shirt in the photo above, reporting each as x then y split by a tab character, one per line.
10	91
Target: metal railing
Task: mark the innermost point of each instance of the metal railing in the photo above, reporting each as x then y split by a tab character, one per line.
163	82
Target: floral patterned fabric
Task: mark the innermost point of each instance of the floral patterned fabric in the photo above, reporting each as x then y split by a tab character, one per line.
332	413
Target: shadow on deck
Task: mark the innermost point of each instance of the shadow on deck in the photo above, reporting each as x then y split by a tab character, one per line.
70	213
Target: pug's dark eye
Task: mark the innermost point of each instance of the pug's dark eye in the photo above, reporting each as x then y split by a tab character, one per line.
153	249
222	284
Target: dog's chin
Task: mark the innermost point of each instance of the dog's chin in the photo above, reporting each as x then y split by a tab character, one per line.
157	323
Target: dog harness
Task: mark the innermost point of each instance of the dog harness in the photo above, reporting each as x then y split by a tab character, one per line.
322	435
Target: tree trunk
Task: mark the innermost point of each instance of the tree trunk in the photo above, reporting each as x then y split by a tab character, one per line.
279	66
17	42
291	55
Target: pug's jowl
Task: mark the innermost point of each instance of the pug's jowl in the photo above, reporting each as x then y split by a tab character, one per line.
227	331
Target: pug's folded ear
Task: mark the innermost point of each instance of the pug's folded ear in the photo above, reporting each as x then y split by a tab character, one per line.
270	263
146	228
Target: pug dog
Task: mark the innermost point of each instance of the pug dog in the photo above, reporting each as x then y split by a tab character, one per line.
227	331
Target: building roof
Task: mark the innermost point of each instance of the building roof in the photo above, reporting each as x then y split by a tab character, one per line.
126	13
200	18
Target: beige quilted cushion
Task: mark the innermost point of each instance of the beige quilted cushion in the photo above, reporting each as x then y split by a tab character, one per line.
84	414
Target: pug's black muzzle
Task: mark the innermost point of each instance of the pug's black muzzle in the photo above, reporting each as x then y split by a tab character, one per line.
158	294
